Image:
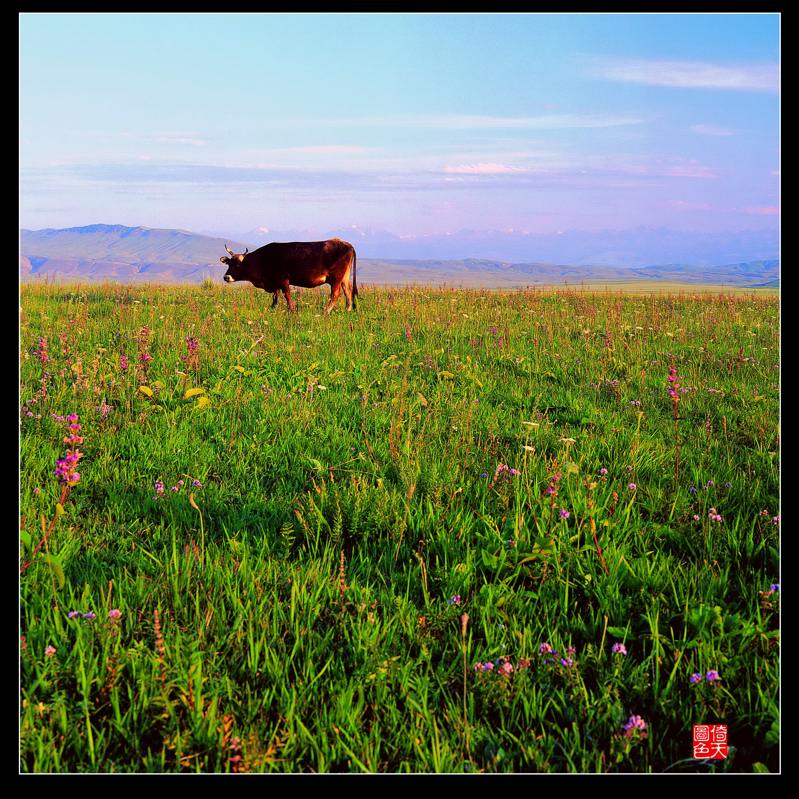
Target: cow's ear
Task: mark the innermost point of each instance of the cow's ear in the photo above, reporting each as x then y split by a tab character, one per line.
223	259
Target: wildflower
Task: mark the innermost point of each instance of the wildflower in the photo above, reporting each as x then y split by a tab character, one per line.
564	514
505	667
712	675
775	520
42	351
114	614
714	515
484	474
635	403
619	649
73	614
192	344
37	491
774	587
90	616
545	648
523	663
692	489
727	485
635	723
570	650
632	486
696	517
709	484
695	678
567	662
159	488
603	471
454	600
123	362
65	468
49	652
145	358
196	483
104	409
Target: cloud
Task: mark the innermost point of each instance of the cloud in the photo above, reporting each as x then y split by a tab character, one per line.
686	205
479	122
764	210
483	169
688	74
711	130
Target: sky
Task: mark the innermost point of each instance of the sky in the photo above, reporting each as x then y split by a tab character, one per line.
417	124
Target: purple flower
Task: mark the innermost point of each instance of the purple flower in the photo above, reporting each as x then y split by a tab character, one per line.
774	587
73	614
123	362
570	650
90	616
564	514
692	490
712	675
632	486
695	678
603	471
159	488
634	723
454	600
196	483
566	662
146	358
619	649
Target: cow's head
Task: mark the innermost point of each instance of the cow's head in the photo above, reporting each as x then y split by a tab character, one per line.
235	265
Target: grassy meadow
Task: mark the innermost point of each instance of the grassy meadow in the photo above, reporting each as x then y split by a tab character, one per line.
454	531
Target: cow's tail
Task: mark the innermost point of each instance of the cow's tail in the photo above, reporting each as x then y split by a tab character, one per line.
354	281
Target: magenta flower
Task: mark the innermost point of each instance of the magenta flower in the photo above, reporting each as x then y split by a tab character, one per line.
196	483
454	600
564	514
567	661
114	614
632	486
695	678
619	649
603	471
159	488
545	648
712	675
123	362
506	667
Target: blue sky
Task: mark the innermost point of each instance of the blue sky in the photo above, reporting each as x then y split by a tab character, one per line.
416	124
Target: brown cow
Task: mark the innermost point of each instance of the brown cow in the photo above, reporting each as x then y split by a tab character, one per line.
277	266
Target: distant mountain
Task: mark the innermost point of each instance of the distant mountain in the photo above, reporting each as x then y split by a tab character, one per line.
634	247
125	245
125	254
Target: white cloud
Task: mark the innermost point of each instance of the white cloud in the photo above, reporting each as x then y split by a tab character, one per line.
711	130
689	74
483	169
478	122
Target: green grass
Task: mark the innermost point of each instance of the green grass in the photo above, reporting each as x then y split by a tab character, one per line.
302	591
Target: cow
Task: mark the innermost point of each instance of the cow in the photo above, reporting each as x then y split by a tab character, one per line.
278	266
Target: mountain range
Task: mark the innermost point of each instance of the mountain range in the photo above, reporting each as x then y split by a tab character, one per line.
140	254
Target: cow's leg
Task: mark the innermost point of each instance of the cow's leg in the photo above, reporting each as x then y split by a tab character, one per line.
287	295
335	290
274	299
347	289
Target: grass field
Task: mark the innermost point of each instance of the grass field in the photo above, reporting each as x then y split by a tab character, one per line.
455	531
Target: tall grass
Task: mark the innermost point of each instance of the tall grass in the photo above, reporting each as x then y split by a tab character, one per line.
354	486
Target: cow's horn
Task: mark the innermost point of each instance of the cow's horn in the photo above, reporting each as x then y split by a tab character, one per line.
246	250
229	250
